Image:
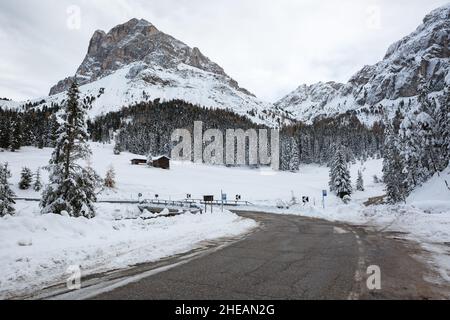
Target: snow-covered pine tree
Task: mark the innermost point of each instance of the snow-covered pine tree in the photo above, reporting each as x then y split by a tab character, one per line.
285	153
444	131
52	133
16	136
26	178
71	187
340	175
37	185
360	182
117	149
410	153
110	178
88	181
393	175
376	180
294	161
427	132
6	194
5	133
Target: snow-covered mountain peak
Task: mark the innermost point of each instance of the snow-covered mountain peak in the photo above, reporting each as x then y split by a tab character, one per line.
135	62
134	41
425	53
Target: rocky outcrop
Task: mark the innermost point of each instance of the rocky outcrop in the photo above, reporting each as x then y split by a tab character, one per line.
424	53
135	62
136	41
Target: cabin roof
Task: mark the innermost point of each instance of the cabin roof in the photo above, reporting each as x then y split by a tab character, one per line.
160	157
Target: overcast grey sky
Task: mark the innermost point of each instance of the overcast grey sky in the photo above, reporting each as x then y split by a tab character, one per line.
269	47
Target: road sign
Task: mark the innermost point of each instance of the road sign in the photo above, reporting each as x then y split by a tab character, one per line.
188	196
305	199
238	197
207	199
324	194
140	195
224	197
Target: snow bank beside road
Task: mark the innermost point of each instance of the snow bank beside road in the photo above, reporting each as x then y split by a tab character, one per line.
36	250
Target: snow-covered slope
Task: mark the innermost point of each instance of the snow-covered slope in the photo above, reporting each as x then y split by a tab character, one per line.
136	62
424	53
139	82
434	194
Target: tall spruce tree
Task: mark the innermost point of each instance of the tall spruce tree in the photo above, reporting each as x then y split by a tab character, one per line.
71	187
444	131
294	162
5	133
340	181
360	182
393	171
16	136
6	194
410	153
427	132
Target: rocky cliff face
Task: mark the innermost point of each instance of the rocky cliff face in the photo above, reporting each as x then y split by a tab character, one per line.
136	62
136	40
424	53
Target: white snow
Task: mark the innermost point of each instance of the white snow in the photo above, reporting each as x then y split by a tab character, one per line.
186	83
35	250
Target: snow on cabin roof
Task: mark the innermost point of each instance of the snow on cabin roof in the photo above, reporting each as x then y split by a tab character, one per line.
160	157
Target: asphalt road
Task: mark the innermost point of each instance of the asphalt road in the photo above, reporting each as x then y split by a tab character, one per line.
291	257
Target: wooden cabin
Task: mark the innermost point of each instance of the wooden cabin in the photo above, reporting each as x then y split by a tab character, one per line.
136	162
161	162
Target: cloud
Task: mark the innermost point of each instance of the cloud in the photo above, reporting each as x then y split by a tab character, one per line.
269	47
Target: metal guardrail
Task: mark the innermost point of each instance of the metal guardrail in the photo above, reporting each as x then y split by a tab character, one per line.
100	201
225	202
164	202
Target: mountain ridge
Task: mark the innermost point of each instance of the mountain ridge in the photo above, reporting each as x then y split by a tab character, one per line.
423	53
135	62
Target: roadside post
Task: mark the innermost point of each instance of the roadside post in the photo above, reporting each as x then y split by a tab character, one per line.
224	198
324	194
207	199
139	197
305	200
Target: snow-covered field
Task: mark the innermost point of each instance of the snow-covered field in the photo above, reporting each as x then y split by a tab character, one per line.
36	250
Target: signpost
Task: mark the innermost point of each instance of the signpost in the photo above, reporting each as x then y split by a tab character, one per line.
224	198
305	200
324	194
139	197
207	199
